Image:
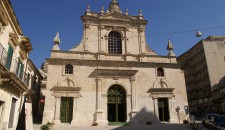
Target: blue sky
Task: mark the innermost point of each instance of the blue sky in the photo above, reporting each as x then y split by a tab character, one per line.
41	19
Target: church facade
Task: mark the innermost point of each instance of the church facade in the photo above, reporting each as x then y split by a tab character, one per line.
113	76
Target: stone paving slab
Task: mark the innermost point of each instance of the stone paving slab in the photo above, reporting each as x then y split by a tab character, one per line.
129	127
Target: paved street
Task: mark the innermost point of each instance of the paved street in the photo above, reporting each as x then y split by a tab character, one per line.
131	127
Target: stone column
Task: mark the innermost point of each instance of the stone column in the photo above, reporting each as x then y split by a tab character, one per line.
57	110
74	121
133	97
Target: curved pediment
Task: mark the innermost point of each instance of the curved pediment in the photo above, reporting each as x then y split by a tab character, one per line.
161	88
161	83
115	16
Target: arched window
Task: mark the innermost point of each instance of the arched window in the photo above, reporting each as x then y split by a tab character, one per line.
160	72
114	43
69	69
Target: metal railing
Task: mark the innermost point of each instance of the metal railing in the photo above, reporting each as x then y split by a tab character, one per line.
15	66
19	72
3	55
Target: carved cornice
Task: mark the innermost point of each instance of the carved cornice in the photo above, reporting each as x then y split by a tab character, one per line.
61	88
161	92
12	17
66	91
109	63
3	18
25	43
12	83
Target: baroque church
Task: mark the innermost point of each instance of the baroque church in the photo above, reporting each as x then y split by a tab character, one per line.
113	76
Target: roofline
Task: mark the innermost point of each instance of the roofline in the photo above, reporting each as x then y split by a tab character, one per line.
30	61
13	17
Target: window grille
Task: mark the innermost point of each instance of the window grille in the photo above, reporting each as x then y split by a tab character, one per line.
160	72
69	69
114	43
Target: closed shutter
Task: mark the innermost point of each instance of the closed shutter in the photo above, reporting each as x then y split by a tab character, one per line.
21	70
9	57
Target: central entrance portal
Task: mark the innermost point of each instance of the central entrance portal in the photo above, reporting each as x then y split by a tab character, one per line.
163	109
117	104
66	109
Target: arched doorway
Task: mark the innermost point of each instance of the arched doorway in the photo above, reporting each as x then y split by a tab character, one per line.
117	104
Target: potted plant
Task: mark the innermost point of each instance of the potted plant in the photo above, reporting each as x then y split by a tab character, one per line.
44	127
48	126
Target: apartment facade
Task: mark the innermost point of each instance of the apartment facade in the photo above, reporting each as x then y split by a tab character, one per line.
203	67
15	75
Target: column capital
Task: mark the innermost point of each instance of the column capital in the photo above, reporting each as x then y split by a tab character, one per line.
132	78
99	78
101	27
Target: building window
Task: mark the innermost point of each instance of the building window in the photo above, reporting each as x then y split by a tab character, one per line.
69	69
114	43
160	72
9	57
19	68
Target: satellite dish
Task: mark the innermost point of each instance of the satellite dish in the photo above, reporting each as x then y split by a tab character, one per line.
198	34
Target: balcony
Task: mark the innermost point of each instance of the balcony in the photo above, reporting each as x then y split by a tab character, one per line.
218	99
12	73
3	58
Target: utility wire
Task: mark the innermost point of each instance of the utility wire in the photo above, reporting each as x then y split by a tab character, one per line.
186	31
173	33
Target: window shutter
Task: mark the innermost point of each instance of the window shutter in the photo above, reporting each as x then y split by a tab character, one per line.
9	57
21	70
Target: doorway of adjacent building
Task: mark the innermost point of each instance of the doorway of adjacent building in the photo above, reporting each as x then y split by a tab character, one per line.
163	109
117	104
12	113
66	109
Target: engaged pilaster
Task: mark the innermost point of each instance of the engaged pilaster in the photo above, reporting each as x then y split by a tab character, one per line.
74	121
133	97
57	110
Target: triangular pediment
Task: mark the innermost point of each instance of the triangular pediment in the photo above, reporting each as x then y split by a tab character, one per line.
115	16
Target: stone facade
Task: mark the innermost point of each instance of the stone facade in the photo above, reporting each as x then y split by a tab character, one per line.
15	77
203	66
89	75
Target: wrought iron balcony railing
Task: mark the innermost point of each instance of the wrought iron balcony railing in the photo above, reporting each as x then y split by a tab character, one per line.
15	66
3	55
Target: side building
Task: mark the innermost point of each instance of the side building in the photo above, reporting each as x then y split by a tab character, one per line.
113	76
15	75
203	67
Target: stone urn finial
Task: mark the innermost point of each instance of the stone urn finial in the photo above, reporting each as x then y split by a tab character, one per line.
56	42
102	10
88	8
126	11
170	48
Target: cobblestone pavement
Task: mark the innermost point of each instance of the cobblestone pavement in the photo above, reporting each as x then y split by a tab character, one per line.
130	127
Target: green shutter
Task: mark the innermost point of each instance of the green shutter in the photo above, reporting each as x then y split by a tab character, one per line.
9	57
21	70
